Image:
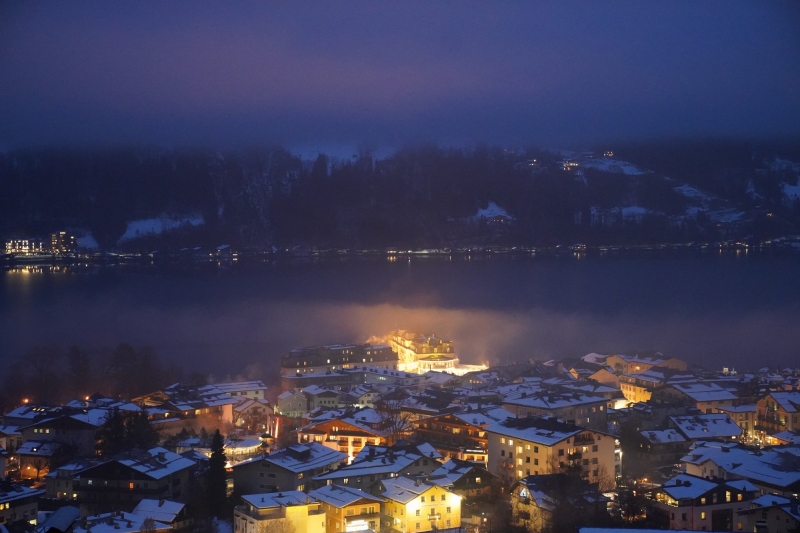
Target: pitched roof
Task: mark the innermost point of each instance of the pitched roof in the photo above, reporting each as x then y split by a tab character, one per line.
341	496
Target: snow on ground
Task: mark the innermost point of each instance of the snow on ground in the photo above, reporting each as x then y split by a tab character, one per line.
155	226
612	165
726	215
792	191
222	526
634	211
690	192
492	210
87	242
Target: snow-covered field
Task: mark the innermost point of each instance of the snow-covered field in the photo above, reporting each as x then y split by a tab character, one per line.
155	226
612	165
792	191
492	210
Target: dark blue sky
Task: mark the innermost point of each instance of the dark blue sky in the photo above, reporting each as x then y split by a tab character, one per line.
386	73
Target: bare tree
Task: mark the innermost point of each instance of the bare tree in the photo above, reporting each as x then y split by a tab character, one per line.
395	419
148	526
605	481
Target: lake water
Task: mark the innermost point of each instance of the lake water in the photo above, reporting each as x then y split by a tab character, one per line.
739	309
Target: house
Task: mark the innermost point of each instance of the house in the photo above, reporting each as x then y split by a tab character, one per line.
10	438
320	397
348	434
292	404
279	511
605	376
535	498
251	390
319	360
717	426
349	509
18	503
707	397
587	411
118	522
694	503
380	462
59	521
290	469
634	364
60	481
77	433
771	513
252	414
745	417
173	514
662	447
412	504
36	458
122	482
520	447
466	478
459	435
180	407
778	411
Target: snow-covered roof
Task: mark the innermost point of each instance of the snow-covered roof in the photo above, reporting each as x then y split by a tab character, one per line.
555	400
158	463
789	401
685	486
704	392
541	430
706	426
300	457
12	491
341	496
662	436
277	499
161	510
238	386
403	489
115	522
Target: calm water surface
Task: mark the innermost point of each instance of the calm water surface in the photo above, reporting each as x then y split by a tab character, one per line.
740	310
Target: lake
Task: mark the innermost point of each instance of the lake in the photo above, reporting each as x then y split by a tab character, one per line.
739	309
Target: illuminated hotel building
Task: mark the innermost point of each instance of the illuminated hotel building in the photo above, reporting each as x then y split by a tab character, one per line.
335	357
422	353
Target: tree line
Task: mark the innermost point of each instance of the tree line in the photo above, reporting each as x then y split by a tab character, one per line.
422	196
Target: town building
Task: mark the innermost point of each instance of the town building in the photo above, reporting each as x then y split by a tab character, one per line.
771	514
634	364
572	407
180	407
348	433
77	432
718	426
777	411
378	462
707	397
18	503
24	247
292	404
468	479
418	353
320	397
252	390
460	435
349	509
535	498
413	504
745	417
62	243
520	447
119	522
292	468
322	359
279	511
661	447
694	503
124	481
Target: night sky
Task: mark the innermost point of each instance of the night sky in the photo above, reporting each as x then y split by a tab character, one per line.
387	73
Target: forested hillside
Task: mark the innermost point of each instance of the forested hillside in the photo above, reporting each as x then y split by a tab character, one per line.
424	196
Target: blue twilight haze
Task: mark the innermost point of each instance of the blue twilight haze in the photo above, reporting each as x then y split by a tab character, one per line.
393	72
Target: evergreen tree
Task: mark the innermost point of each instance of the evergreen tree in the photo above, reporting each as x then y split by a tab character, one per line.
216	491
111	435
139	432
79	370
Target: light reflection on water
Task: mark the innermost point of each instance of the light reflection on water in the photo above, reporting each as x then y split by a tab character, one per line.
717	310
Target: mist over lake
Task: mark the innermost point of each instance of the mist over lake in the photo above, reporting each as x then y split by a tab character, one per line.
733	309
